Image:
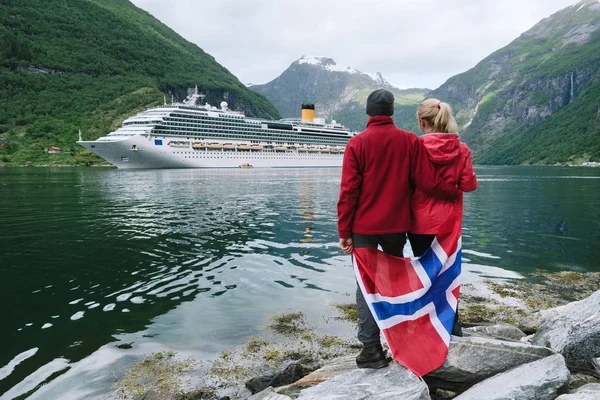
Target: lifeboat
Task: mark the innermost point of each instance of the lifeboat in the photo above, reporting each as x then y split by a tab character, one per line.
291	147
229	146
178	144
243	146
312	150
280	148
198	145
302	149
256	147
324	149
214	145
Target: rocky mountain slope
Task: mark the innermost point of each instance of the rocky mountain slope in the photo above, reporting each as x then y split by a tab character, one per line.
536	100
88	64
338	92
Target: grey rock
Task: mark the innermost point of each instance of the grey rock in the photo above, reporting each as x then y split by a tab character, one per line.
596	364
544	379
587	392
393	382
441	394
291	374
473	359
579	379
532	322
498	331
526	339
578	340
259	383
269	394
154	395
334	368
577	310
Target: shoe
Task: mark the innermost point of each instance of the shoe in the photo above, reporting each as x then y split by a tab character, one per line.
372	357
457	327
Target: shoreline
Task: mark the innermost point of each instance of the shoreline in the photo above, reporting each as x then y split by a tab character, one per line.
263	358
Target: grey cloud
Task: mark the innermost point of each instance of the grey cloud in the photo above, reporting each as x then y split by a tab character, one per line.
416	43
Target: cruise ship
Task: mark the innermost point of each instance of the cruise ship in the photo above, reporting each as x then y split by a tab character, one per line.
190	135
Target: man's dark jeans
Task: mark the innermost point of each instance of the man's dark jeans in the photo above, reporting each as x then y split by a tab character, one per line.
393	244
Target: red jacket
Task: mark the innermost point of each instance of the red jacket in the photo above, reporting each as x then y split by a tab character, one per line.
380	165
453	163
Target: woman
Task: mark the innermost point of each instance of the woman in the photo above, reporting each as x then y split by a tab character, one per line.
453	163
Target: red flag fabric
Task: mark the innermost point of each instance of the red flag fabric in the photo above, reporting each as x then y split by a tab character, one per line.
414	299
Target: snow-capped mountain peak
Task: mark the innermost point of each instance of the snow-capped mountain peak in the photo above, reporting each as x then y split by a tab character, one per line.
326	63
378	78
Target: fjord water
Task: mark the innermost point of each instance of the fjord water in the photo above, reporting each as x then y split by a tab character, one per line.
99	266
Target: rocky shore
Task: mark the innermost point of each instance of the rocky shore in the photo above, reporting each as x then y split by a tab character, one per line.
514	347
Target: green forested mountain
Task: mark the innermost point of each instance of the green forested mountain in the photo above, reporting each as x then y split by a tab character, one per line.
338	92
88	64
536	100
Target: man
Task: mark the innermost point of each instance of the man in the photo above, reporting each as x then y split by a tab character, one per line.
381	166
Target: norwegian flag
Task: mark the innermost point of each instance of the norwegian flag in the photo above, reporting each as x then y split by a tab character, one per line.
414	300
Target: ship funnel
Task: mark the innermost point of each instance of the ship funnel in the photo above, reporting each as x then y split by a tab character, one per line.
308	112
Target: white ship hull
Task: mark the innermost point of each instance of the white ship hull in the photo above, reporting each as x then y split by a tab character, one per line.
186	135
141	151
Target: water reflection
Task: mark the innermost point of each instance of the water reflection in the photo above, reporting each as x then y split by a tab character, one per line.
116	249
535	218
194	260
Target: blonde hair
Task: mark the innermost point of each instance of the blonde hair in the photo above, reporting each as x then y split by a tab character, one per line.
439	115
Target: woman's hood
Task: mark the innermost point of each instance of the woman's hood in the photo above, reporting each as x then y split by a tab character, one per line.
442	148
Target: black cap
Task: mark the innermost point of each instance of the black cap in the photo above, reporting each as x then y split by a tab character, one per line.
380	102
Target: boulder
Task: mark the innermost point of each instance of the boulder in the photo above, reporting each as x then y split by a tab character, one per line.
497	331
587	392
291	374
334	368
526	339
441	394
579	379
269	394
544	379
473	359
578	340
393	382
259	383
577	310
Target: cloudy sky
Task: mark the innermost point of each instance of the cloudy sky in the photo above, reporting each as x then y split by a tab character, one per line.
413	43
